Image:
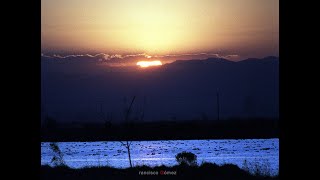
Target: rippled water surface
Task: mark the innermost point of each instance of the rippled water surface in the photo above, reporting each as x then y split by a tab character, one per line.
262	152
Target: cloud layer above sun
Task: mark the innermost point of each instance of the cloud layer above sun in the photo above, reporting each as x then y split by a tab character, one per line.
132	59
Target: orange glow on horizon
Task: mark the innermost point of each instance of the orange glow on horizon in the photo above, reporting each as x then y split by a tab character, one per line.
145	64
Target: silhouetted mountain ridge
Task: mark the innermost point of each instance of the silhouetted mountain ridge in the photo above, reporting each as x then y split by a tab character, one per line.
181	90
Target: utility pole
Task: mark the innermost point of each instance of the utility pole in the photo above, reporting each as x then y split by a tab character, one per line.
218	105
101	118
143	109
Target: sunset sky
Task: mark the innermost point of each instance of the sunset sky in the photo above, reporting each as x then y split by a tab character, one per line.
240	28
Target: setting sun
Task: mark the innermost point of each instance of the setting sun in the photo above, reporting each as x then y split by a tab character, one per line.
144	64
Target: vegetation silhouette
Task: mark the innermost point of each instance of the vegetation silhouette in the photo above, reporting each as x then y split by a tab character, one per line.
186	158
127	144
204	171
57	159
201	128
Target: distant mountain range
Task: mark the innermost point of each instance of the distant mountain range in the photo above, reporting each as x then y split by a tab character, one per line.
82	89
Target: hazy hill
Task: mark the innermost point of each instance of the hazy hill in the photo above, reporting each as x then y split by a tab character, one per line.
77	88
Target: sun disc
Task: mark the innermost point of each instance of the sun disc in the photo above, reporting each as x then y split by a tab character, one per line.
145	64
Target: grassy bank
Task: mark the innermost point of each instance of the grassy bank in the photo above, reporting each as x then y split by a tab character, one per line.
204	171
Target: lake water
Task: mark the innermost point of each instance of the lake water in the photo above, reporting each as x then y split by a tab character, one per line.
256	152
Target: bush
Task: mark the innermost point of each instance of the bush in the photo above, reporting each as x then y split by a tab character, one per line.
258	168
186	158
57	159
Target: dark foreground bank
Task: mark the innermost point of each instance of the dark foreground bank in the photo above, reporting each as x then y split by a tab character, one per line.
169	130
204	171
